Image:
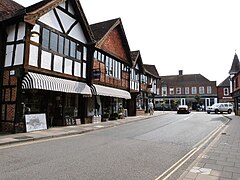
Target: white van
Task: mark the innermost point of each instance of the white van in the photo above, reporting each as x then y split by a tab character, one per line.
220	107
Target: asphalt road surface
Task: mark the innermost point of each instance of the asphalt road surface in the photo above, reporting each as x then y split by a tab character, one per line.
141	150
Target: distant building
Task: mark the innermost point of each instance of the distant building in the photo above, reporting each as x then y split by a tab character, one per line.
223	91
191	89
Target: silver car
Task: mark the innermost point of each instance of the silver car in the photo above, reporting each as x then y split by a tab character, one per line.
220	107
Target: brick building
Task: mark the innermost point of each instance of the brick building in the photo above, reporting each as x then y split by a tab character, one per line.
189	89
223	91
234	73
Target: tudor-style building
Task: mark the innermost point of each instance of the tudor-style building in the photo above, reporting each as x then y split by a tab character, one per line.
44	62
110	69
149	84
189	89
143	84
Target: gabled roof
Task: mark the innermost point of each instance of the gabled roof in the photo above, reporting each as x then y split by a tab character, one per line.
187	79
101	31
225	83
32	13
137	59
151	69
9	8
102	28
235	68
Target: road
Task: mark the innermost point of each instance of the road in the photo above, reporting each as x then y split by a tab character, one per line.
140	150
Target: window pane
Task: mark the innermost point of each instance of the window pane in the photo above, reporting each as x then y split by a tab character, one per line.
84	53
68	66
77	69
60	44
66	47
73	49
45	38
54	41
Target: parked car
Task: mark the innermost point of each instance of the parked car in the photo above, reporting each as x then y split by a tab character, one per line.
183	109
220	107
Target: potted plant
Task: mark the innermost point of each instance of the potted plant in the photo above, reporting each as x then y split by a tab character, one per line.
113	116
105	117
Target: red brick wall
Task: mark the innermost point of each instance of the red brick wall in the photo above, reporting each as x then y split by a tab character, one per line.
114	45
9	98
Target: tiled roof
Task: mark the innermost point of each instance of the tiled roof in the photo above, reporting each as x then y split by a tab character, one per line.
225	83
187	79
235	65
9	8
151	69
100	29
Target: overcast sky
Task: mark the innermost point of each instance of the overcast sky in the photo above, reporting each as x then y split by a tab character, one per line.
196	36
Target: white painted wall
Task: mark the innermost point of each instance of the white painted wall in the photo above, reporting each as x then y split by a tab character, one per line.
66	20
46	60
77	33
33	56
58	63
50	20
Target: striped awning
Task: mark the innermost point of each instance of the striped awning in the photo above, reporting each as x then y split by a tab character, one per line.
109	91
44	82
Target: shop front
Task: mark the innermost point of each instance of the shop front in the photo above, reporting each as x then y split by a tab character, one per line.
62	101
107	103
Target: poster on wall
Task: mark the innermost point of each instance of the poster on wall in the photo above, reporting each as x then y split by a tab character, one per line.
35	122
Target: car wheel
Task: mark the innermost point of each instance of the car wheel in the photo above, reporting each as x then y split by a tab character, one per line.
229	111
216	111
208	112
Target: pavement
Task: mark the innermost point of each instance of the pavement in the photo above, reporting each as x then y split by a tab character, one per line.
54	132
219	161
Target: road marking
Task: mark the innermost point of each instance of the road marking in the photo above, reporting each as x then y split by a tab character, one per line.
195	149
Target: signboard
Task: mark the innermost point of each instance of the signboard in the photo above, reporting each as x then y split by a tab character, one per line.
35	122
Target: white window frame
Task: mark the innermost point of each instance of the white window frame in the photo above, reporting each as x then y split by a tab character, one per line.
225	91
178	90
171	91
164	91
194	90
201	90
209	90
186	90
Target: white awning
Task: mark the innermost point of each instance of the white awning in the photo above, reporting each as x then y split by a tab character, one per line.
44	82
109	91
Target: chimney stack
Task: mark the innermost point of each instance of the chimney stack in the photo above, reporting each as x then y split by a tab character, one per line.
180	72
